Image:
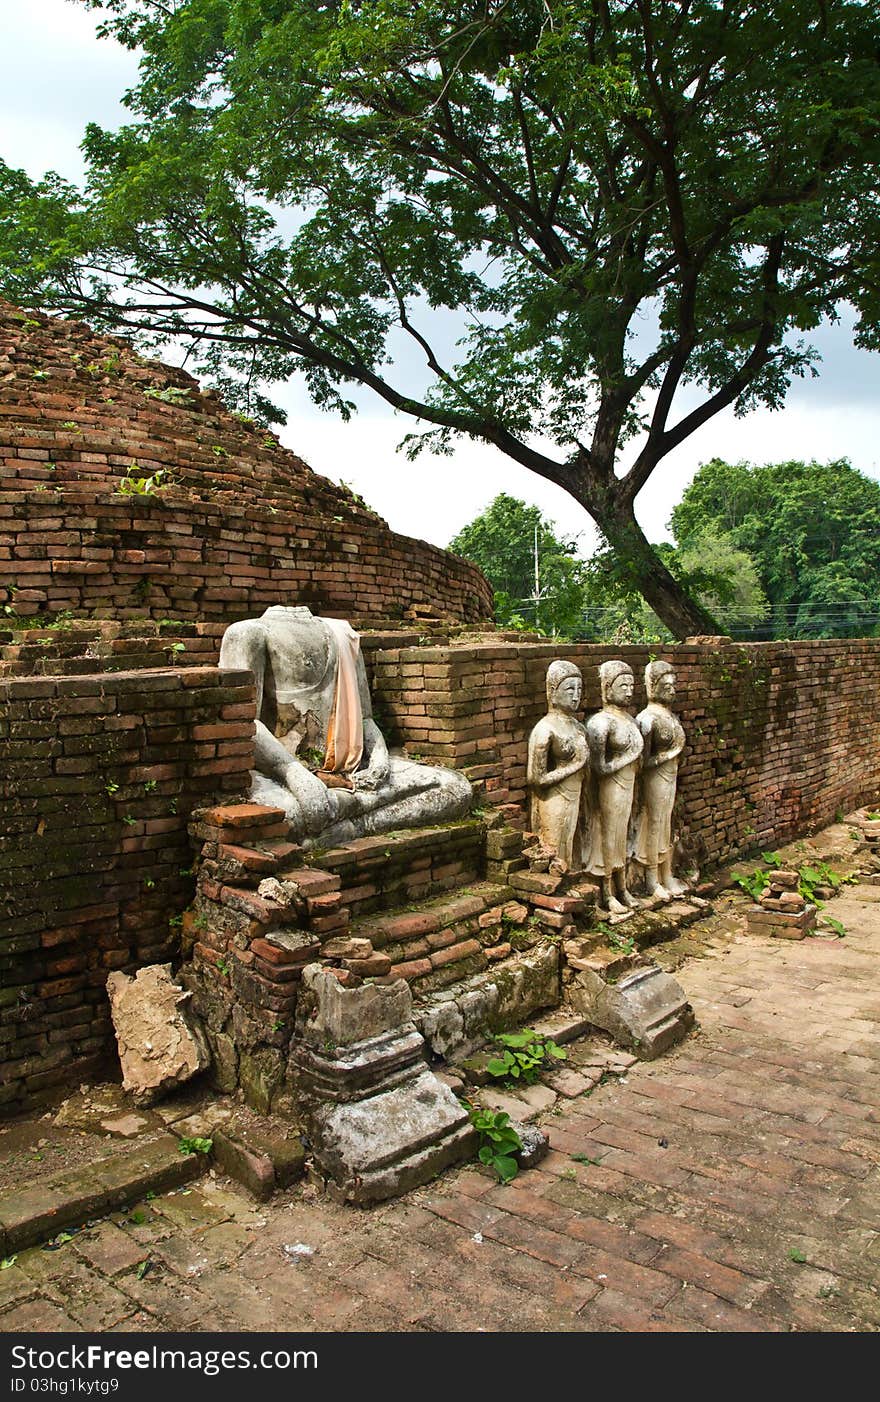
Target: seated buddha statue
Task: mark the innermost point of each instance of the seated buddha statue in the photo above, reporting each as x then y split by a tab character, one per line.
319	754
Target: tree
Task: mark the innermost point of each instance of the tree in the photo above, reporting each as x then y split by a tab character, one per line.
503	541
305	182
813	531
710	566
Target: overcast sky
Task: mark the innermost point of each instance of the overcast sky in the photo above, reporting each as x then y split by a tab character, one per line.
55	75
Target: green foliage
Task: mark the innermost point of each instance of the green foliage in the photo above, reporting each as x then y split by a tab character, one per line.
499	1142
752	882
722	577
136	484
810	876
813	532
837	926
819	873
624	944
794	1254
501	540
602	203
195	1145
7	1262
524	1055
171	394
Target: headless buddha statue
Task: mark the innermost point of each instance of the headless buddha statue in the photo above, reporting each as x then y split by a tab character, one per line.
319	754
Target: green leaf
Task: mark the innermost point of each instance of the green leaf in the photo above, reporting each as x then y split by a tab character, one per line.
506	1167
195	1145
7	1261
496	1067
795	1255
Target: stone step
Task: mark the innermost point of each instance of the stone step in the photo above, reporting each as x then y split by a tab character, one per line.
438	942
59	1201
457	1019
397	868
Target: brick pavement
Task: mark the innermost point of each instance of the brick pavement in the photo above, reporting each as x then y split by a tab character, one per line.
730	1186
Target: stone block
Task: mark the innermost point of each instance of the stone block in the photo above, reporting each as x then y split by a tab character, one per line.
535	1144
378	1120
780	923
395	1140
161	1045
646	1010
341	1020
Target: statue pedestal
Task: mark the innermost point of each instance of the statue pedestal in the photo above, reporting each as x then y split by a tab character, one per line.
378	1119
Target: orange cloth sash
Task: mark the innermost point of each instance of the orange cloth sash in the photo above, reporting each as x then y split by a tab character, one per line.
345	728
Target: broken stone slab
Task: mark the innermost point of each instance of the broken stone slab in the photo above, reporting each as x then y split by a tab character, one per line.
161	1045
103	1109
646	1010
377	1118
126	1126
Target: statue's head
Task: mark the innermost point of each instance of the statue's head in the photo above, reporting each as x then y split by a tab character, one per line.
564	685
660	681
617	683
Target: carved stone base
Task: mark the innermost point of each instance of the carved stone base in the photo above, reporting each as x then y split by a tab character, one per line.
378	1120
646	1010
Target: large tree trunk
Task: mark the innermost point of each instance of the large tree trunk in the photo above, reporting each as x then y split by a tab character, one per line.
683	616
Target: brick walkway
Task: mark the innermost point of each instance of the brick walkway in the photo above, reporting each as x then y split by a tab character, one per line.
731	1185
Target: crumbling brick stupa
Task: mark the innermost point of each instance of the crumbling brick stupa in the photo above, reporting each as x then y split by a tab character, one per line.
126	491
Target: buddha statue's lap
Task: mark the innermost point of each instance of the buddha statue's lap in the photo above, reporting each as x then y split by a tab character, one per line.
314	713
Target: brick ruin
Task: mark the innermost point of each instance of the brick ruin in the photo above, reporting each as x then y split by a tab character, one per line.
125	832
238	522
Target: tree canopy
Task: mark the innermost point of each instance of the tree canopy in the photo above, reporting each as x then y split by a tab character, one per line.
504	540
607	199
812	530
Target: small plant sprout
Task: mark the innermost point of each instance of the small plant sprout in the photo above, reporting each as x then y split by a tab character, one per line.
499	1141
195	1145
138	484
624	944
523	1056
171	394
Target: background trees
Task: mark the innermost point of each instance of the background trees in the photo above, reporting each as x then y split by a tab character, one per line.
783	550
537	577
812	530
609	201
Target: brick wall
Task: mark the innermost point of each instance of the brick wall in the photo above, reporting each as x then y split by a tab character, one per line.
98	776
780	736
240	522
